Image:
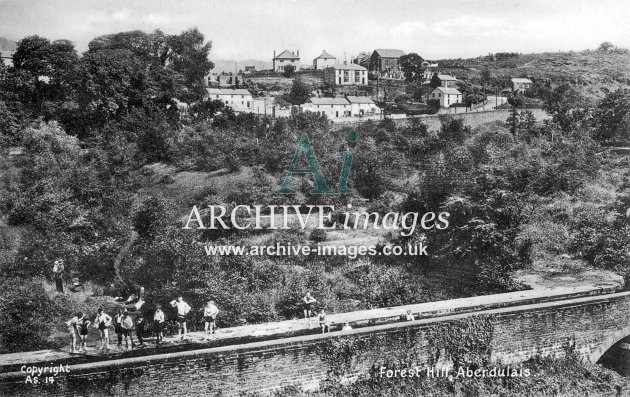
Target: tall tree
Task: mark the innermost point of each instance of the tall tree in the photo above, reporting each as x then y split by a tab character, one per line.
300	92
411	65
566	106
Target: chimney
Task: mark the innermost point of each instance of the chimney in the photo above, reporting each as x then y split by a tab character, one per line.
274	53
298	53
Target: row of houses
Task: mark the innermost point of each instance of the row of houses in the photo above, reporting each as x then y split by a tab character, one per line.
381	61
241	100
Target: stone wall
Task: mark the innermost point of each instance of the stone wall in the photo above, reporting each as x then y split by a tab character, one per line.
590	325
472	119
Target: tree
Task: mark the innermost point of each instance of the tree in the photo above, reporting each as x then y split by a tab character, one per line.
289	71
605	46
44	75
513	120
566	106
613	118
300	92
486	76
188	55
527	120
411	65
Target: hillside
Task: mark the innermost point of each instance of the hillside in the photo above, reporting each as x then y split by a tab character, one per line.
593	72
7	45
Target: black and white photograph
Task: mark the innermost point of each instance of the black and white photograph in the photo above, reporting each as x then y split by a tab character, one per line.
315	198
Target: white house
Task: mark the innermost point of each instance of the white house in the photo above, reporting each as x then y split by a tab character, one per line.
447	96
285	58
333	108
237	99
324	61
351	74
521	84
362	106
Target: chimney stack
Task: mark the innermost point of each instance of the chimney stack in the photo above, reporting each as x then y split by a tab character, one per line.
298	53
274	53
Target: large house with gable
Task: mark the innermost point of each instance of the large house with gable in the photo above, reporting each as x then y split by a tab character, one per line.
324	61
285	58
385	61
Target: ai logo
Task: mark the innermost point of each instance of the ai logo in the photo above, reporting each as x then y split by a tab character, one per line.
305	147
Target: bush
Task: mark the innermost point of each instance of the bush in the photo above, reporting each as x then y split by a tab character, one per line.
28	316
318	235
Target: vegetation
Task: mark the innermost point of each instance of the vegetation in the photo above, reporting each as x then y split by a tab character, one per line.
111	163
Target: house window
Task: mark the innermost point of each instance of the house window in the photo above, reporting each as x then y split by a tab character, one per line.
357	77
346	76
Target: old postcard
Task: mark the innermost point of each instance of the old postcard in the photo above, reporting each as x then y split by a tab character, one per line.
314	198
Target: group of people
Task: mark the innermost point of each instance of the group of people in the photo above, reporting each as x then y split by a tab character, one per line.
309	303
124	324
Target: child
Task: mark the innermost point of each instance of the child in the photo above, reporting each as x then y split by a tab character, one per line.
73	329
140	329
127	326
308	301
346	327
322	321
182	310
158	323
83	333
410	316
118	326
210	315
102	321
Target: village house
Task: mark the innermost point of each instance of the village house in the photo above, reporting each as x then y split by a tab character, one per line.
521	84
250	69
351	74
385	62
7	57
429	70
237	99
445	80
447	96
324	60
362	106
333	108
285	58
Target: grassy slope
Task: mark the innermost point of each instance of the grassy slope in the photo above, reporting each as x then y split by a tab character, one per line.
591	71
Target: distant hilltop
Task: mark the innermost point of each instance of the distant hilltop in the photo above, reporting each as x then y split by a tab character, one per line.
7	45
234	66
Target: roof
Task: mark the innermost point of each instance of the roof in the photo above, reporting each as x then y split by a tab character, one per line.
360	99
227	91
350	66
329	101
521	80
448	90
384	53
325	55
446	77
286	54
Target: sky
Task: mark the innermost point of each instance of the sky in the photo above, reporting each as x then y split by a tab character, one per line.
241	29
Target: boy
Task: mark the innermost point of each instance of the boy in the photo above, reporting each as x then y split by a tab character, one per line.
158	323
140	329
182	310
322	321
210	315
127	325
84	325
308	302
73	329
